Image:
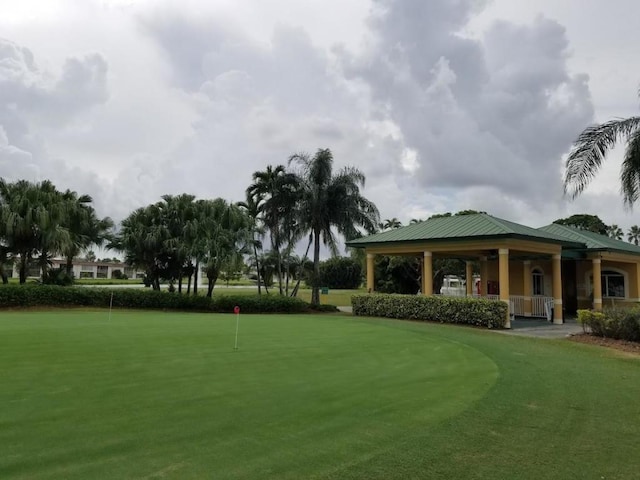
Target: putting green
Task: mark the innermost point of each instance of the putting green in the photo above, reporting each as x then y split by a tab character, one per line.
149	394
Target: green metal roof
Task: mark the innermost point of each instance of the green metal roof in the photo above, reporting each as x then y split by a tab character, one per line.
462	227
592	240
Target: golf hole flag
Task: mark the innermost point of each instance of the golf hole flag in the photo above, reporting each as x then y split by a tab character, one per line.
236	310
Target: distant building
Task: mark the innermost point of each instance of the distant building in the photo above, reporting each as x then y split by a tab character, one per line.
84	269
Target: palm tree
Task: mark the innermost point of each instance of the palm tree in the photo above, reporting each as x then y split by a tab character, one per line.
614	231
252	211
391	223
142	238
227	236
32	217
331	201
177	213
85	228
634	235
590	150
276	192
415	220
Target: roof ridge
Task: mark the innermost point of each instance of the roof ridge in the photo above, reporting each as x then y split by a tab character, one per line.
498	222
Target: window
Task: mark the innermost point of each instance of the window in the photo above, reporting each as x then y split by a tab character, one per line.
537	282
612	284
103	271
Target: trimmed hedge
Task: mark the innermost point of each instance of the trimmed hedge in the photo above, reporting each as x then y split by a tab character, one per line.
466	311
15	296
618	323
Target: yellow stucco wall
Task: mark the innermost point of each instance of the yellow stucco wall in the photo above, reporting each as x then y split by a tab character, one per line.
583	277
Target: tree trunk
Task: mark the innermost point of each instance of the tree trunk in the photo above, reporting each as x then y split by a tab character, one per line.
275	243
69	265
196	274
301	270
212	277
255	254
189	283
315	291
23	268
180	280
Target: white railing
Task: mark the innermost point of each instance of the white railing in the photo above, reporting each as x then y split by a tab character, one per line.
516	303
537	306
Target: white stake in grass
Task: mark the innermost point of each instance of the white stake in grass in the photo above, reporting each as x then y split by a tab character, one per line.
110	306
236	310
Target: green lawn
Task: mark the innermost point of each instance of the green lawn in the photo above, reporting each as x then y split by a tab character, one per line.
164	395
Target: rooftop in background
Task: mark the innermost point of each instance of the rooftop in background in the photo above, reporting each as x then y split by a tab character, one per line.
592	240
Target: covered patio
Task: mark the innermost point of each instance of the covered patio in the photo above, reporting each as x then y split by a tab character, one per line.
529	269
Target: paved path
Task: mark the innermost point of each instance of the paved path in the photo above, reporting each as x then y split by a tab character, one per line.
529	327
542	328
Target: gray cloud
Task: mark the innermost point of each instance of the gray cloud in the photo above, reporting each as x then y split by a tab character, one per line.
496	112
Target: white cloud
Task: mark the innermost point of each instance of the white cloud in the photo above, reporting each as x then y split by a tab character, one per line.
444	105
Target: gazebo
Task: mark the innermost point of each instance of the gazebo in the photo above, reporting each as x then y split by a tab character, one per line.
527	268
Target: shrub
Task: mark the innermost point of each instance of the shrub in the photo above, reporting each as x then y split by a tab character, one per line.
618	323
341	272
467	311
13	296
58	276
118	275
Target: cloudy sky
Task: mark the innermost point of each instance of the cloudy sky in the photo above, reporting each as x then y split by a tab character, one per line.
443	104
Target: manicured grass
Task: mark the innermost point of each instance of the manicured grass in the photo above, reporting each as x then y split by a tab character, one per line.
155	395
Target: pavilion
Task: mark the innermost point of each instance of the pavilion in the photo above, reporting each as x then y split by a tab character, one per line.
522	266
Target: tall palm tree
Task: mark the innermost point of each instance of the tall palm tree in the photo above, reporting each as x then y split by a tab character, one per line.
634	235
276	192
331	201
614	231
252	211
590	150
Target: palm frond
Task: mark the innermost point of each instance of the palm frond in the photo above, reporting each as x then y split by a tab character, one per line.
590	150
630	171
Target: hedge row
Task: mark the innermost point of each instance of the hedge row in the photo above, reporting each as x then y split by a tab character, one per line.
621	324
12	296
467	311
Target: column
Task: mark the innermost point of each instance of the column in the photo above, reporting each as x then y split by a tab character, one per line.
526	281
427	274
484	276
557	288
503	267
597	284
469	278
370	272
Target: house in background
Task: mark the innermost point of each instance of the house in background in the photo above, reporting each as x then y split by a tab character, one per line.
84	269
525	267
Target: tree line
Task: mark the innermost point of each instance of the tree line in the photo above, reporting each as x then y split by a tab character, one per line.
180	235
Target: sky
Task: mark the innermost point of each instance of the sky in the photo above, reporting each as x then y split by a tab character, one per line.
444	105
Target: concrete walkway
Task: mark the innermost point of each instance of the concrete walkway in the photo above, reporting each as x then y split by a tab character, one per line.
541	328
529	327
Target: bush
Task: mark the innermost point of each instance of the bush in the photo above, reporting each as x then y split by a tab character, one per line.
466	311
14	296
58	276
118	275
618	323
341	273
